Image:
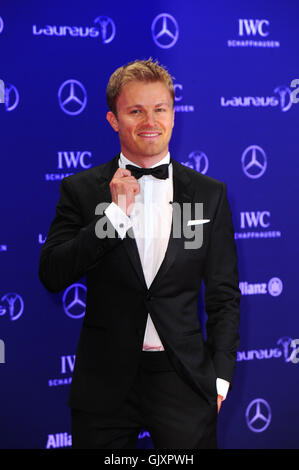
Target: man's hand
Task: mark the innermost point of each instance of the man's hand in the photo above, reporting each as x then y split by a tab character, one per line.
123	188
219	401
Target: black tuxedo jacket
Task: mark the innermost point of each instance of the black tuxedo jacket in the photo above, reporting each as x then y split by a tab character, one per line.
118	300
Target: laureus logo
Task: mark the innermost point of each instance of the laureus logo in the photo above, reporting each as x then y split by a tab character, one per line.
13	305
104	27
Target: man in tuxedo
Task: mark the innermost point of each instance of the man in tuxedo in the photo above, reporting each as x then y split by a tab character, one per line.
141	360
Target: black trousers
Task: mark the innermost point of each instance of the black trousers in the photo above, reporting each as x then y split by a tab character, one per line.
160	402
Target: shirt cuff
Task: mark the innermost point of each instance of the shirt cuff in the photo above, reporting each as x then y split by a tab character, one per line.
120	221
222	387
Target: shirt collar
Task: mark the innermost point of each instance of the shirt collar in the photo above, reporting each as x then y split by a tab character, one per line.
123	161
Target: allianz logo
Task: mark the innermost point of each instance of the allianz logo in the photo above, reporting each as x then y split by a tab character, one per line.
273	287
59	440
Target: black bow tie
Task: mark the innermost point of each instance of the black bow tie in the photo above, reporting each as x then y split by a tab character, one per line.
160	171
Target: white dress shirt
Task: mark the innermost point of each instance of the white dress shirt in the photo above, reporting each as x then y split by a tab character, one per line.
150	219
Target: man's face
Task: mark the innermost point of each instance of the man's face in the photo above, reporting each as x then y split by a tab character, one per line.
144	122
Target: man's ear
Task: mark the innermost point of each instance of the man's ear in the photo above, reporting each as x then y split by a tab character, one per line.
112	119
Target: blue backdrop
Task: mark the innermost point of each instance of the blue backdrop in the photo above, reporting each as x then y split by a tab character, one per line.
236	120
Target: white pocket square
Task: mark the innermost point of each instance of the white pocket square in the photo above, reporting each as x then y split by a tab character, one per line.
197	222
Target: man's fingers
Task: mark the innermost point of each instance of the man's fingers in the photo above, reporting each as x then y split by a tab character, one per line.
219	401
130	203
136	188
123	188
121	172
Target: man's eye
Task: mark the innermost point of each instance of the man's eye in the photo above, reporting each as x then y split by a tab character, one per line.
135	111
160	110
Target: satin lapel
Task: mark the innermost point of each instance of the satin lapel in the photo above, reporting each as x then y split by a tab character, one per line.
182	193
129	241
133	254
107	172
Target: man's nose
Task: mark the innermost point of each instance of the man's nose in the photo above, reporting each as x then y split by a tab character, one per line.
150	119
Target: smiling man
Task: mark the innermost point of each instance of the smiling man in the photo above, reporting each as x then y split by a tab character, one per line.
142	361
144	119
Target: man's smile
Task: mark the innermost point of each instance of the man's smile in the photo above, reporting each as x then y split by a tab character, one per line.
149	134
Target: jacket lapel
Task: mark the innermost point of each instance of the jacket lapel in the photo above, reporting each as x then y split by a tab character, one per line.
129	241
182	193
107	172
133	254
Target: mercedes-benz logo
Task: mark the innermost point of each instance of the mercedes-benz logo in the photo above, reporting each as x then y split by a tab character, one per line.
197	161
165	30
254	161
258	415
15	305
1	25
275	286
74	300
10	95
72	97
107	28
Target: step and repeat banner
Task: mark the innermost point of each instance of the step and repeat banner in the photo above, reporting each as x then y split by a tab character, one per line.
236	73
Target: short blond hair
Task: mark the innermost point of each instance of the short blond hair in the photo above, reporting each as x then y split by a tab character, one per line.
139	70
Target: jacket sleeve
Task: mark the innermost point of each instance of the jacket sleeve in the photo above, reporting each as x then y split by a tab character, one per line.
222	293
72	248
